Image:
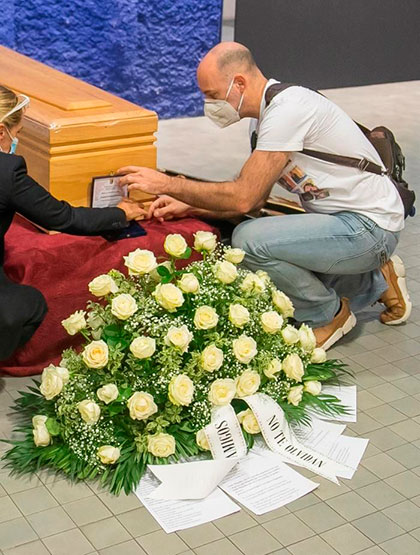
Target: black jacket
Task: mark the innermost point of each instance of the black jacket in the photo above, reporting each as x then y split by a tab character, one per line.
20	193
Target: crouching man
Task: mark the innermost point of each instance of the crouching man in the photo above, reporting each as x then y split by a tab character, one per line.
334	259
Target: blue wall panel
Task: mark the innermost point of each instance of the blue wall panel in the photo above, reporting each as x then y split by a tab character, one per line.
146	51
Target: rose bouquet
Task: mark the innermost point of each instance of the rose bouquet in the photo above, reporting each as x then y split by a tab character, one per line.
163	348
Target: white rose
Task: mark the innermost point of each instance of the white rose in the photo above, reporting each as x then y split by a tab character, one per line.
248	383
143	347
205	241
140	262
75	322
205	318
161	445
189	283
154	274
95	355
271	321
211	358
252	284
294	397
108	454
273	368
102	285
318	355
307	338
201	440
283	303
179	338
107	393
290	335
181	390
169	296
175	245
234	255
141	405
222	391
39	420
41	435
248	421
244	349
264	277
53	380
293	367
238	315
123	306
312	387
96	324
62	372
89	411
225	271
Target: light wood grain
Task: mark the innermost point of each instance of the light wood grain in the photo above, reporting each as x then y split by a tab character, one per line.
74	131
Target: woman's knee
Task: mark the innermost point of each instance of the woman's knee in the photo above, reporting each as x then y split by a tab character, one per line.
21	304
38	304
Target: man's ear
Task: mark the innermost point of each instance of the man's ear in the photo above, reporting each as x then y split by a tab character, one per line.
240	80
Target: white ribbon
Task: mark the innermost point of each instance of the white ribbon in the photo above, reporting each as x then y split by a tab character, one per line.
224	434
280	439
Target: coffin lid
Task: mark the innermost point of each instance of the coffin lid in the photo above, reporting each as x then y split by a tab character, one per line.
58	99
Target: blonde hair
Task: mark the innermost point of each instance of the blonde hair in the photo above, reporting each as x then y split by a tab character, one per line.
8	100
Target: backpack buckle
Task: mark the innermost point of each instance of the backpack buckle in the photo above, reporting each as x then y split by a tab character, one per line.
363	164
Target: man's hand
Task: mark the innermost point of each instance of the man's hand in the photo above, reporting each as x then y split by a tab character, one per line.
144	179
133	210
167	208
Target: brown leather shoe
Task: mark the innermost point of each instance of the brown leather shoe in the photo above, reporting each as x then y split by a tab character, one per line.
342	323
396	297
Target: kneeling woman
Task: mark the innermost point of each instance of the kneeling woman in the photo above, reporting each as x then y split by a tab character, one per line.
22	308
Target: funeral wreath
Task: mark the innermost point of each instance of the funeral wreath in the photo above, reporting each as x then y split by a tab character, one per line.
163	347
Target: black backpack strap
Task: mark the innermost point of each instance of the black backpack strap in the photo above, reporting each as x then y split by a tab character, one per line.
361	164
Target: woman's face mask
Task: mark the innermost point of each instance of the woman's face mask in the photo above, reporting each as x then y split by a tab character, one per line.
14	142
221	112
22	103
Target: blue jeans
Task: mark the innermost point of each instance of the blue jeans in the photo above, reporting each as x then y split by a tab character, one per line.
318	258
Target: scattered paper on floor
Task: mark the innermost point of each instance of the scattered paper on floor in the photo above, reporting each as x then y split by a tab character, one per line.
178	515
263	484
190	480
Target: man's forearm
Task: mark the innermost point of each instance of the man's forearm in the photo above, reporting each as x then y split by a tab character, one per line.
213	214
212	197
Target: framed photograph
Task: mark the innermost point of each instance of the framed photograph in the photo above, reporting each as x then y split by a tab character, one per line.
106	191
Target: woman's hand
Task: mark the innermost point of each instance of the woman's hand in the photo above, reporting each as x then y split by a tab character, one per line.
133	210
168	208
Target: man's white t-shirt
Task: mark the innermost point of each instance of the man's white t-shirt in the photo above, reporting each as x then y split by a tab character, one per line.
299	118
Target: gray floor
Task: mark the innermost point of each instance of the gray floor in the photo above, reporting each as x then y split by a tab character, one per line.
376	512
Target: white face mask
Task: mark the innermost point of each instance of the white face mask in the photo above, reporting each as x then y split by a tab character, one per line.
221	112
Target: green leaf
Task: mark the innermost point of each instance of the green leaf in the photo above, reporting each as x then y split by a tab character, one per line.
115	342
113	330
186	254
53	426
115	409
163	271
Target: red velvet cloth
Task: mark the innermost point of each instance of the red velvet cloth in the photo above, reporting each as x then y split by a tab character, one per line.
61	266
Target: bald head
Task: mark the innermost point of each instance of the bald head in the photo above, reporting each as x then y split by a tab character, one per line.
227	64
228	58
232	56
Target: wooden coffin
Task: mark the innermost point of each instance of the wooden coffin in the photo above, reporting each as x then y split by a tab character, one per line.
74	131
